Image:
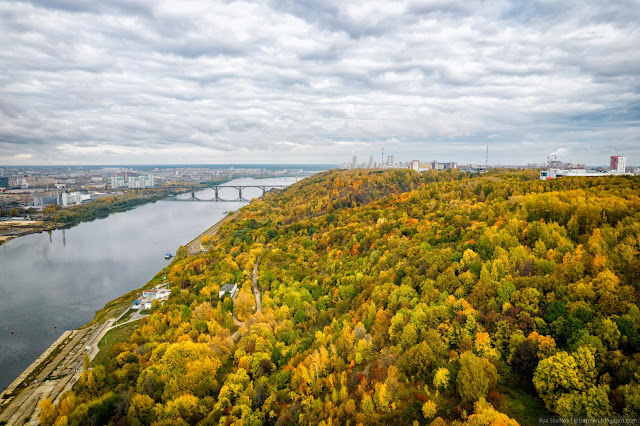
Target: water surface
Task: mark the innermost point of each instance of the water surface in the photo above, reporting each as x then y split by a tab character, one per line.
55	282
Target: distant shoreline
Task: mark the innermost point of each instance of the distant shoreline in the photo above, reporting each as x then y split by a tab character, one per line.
87	213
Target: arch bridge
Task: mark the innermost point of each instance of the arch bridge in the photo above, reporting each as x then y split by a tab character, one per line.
239	188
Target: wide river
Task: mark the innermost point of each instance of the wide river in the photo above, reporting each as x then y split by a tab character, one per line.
55	282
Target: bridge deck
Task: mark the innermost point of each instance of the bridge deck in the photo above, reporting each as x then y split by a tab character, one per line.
239	188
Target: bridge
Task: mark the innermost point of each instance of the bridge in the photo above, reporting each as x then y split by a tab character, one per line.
239	188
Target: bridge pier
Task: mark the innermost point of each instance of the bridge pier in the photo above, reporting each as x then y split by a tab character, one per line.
217	198
193	194
240	192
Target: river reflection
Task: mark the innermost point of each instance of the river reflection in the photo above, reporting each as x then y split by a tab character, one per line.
55	282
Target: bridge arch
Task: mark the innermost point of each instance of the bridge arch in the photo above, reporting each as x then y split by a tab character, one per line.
239	188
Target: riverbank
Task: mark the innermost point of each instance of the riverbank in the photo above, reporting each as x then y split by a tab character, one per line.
10	229
115	254
196	245
60	366
55	217
53	373
58	218
49	376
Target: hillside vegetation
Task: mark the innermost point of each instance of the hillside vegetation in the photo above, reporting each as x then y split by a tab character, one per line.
392	298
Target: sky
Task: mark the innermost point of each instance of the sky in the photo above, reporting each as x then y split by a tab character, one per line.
301	81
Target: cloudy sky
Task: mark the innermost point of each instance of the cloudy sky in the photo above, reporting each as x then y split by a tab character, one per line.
301	81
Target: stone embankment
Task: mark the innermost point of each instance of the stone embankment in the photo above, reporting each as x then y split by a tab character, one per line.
52	374
195	246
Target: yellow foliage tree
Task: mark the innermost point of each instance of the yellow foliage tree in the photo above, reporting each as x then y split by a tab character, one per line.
244	304
486	415
429	410
48	412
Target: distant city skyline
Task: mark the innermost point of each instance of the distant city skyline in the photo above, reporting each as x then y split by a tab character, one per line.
605	161
278	81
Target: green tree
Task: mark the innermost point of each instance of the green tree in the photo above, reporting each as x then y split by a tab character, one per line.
562	380
417	362
473	378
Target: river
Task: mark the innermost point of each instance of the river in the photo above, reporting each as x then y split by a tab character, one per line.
55	282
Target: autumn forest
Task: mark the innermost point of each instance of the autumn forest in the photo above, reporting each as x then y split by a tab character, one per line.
391	297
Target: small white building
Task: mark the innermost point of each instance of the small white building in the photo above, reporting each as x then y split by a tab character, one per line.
146	302
228	289
149	293
163	294
559	173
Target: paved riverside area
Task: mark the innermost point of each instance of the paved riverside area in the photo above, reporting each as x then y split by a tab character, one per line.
52	374
195	246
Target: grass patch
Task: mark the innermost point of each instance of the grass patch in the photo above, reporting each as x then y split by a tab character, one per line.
126	317
524	407
112	337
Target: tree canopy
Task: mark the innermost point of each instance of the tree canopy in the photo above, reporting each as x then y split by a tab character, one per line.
392	297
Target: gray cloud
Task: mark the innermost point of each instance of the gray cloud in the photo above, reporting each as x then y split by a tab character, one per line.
299	81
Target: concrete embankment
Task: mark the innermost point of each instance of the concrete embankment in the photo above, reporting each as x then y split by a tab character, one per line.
60	366
45	378
52	374
195	246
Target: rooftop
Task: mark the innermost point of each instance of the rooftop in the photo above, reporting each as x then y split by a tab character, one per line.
227	287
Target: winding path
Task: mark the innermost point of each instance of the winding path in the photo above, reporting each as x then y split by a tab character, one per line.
256	290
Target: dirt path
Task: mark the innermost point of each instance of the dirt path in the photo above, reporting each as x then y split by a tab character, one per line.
256	290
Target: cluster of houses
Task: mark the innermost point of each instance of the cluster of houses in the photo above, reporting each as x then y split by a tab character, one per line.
159	292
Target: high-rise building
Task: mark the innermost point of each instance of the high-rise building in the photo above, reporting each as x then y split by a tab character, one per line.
141	182
4	182
450	166
372	163
415	165
354	163
118	182
390	161
618	164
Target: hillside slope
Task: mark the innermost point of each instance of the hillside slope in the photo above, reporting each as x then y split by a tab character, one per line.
393	297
